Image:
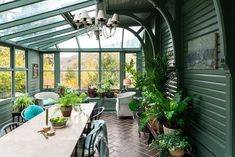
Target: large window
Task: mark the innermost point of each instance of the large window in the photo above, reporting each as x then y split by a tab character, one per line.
10	68
128	58
5	72
69	69
20	72
48	71
89	69
110	66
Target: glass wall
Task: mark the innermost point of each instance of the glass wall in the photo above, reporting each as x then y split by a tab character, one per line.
12	71
128	58
89	69
69	69
110	67
48	71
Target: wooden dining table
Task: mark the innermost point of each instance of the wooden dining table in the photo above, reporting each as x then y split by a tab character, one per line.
26	141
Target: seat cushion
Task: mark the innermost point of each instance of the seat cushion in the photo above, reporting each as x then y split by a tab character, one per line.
32	111
49	102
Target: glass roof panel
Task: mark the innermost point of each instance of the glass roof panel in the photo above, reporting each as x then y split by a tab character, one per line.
130	41
35	9
71	43
5	1
31	25
135	28
52	38
90	10
40	33
112	42
88	42
52	47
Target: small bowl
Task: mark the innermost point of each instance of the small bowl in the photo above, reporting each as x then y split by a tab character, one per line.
58	122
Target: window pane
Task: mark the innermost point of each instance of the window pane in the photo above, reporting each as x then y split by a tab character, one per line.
35	9
5	1
89	78
48	79
113	75
130	40
31	25
71	43
69	79
89	61
68	61
110	61
20	58
20	83
48	62
5	84
111	68
112	42
4	56
88	42
128	58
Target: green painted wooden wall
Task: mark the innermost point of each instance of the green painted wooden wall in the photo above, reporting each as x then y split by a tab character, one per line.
209	124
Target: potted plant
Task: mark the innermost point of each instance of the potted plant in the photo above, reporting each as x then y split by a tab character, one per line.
174	112
21	103
108	85
175	143
101	90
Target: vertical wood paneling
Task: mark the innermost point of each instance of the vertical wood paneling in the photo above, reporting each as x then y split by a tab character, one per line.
209	87
33	83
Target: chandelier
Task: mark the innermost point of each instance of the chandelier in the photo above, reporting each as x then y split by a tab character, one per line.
101	25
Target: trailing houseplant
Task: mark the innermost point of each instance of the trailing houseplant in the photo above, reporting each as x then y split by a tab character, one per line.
21	103
175	143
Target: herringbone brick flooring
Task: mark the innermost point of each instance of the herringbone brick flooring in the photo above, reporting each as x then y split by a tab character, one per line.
124	140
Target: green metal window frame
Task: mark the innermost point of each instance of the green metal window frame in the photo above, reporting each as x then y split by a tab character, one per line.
57	70
14	69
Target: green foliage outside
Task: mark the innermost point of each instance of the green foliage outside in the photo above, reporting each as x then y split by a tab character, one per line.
5	76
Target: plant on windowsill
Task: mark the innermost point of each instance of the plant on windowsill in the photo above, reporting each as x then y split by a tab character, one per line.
101	90
108	85
21	103
175	143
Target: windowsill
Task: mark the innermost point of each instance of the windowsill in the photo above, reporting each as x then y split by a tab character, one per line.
6	100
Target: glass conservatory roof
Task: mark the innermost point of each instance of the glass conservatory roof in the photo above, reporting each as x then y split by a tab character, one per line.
47	26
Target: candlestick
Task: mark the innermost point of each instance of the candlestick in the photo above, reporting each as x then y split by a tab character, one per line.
46	116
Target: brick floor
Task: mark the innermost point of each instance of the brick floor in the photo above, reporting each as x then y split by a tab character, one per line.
124	140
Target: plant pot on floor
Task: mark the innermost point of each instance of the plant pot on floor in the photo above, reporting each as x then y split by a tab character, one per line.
177	153
167	130
66	111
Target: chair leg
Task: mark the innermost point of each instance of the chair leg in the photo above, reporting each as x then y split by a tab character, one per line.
76	150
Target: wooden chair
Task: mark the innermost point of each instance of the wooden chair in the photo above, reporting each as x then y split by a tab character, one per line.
9	127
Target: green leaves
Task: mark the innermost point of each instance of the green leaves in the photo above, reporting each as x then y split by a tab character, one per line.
171	141
71	99
22	102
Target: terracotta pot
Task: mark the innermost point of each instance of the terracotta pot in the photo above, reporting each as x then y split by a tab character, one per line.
177	153
168	130
110	94
155	125
66	111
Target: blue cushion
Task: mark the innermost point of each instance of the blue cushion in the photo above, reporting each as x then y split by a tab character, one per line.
49	102
32	111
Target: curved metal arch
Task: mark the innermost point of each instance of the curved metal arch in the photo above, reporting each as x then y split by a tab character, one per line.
169	20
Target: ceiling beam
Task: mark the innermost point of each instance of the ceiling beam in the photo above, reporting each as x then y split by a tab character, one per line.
134	50
69	19
16	4
44	47
45	36
47	14
33	30
59	38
